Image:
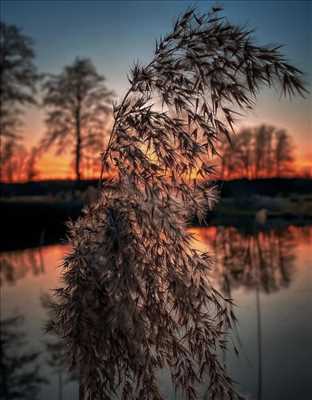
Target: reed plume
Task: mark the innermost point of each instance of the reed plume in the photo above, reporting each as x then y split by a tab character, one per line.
137	296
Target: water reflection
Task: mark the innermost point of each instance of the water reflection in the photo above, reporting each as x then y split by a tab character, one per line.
55	355
16	264
257	260
268	274
261	260
56	361
20	376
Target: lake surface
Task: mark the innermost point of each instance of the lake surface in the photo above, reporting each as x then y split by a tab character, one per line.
267	273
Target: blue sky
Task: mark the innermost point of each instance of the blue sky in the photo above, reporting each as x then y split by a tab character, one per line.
114	34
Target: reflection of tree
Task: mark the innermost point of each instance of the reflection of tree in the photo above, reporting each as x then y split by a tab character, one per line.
15	265
56	360
303	234
56	356
262	259
19	377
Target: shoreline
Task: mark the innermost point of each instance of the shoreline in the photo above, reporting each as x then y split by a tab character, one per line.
30	222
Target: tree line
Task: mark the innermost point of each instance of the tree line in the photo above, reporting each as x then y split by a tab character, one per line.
77	106
259	152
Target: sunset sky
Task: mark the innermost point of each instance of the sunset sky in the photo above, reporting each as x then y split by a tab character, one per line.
114	34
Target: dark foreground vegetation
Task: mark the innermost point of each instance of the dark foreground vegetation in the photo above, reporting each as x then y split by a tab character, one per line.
42	208
233	188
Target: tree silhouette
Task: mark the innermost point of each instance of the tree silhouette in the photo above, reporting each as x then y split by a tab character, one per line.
17	162
78	104
19	377
57	361
283	154
262	151
137	297
237	156
18	78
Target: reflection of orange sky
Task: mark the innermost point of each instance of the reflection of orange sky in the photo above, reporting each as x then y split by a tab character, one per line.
24	295
51	257
204	237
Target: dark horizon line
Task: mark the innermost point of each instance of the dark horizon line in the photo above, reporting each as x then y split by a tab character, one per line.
96	180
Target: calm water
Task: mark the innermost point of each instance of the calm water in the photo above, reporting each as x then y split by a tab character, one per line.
268	274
